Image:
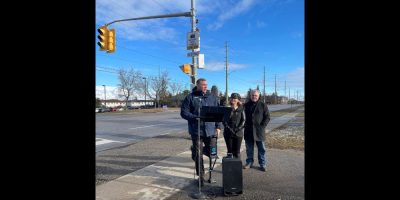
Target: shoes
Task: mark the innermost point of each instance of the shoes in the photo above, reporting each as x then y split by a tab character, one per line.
248	165
263	169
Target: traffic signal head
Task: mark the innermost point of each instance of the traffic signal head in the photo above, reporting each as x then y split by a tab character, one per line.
103	38
111	41
186	68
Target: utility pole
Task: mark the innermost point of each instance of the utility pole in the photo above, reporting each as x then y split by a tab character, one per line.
158	95
276	94
289	99
145	92
105	94
297	93
285	89
226	73
264	86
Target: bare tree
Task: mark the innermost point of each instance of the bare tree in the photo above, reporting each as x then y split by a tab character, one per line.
176	88
130	81
160	86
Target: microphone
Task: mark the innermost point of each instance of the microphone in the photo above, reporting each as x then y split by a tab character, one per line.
199	100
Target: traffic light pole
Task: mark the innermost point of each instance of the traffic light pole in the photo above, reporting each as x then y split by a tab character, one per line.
184	14
193	72
192	13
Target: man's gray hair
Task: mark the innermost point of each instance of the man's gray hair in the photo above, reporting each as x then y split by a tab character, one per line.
254	91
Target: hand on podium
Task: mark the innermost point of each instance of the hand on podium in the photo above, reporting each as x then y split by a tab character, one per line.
217	132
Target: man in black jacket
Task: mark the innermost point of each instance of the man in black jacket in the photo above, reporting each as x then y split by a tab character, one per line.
257	118
189	111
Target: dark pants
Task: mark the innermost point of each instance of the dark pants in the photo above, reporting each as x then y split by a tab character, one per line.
195	152
233	144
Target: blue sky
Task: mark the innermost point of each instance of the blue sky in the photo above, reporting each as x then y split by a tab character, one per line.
259	33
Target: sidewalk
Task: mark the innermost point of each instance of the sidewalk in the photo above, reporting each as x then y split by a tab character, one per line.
172	176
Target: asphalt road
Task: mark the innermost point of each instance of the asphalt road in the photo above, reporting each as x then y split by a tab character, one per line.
117	130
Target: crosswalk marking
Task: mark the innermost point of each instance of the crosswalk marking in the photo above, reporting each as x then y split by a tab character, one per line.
100	141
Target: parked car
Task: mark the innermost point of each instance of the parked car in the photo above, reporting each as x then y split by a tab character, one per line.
106	109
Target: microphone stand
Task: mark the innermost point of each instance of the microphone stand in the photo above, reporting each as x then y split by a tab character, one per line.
199	194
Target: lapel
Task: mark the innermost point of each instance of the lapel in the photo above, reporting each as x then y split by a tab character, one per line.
255	108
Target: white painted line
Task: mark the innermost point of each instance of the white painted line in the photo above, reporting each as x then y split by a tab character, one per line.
105	141
146	126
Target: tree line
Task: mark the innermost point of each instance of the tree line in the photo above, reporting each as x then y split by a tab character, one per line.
163	91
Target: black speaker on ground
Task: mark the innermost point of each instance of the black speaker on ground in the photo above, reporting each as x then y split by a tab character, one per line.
232	176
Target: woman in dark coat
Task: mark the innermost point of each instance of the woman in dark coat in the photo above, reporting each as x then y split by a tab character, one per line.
234	125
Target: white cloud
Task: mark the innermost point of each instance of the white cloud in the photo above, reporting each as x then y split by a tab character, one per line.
296	35
218	66
231	12
111	92
296	78
260	24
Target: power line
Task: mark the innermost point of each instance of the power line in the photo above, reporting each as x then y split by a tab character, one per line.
108	68
123	59
169	60
106	71
124	8
162	6
148	77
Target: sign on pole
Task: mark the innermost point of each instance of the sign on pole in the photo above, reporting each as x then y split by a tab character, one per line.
200	61
193	40
192	54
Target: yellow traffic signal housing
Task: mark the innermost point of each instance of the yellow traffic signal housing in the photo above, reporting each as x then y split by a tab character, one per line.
111	41
186	68
103	38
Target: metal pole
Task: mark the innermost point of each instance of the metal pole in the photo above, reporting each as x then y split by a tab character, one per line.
184	14
264	86
276	94
226	73
105	94
192	14
285	88
193	75
199	194
145	91
198	148
289	99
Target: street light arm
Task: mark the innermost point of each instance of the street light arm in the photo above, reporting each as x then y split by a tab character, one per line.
184	14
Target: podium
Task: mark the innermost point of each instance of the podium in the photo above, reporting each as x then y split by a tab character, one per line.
214	113
209	114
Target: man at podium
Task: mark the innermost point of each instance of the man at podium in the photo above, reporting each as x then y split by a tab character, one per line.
190	111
